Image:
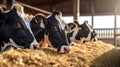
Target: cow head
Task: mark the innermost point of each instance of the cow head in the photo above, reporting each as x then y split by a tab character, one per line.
37	25
57	35
90	32
15	27
83	31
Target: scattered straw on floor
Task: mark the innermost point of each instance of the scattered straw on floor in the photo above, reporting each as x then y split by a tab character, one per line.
90	54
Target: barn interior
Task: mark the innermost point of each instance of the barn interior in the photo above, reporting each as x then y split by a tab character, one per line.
91	54
76	8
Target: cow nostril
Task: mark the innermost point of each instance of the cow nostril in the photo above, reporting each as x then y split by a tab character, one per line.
34	46
66	49
84	41
95	39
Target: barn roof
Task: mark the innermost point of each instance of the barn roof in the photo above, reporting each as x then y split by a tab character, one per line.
87	7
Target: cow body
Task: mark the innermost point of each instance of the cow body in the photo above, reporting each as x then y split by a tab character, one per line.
15	29
81	33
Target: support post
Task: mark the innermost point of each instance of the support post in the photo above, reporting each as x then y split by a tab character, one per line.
93	12
76	10
115	37
92	20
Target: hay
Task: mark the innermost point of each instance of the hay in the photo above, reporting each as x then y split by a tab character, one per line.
90	54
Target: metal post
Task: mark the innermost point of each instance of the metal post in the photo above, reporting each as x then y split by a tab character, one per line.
115	38
92	21
93	12
76	10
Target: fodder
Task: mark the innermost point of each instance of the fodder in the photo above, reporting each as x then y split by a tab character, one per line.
90	54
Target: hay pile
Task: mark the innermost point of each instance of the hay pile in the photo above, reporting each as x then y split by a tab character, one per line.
90	54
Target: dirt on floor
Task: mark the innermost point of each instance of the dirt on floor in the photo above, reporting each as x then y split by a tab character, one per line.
89	54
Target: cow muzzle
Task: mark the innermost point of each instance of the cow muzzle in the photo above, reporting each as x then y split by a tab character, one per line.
35	46
94	39
64	49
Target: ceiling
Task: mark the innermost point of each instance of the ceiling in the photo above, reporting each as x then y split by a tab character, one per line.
87	7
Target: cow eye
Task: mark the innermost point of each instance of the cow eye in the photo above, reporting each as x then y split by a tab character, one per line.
19	25
55	29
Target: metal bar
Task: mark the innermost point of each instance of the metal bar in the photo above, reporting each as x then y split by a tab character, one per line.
34	8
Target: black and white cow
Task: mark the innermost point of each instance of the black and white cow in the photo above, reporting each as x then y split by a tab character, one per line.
81	33
56	32
37	25
52	29
15	29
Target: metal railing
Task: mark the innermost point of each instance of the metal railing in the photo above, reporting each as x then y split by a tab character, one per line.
107	33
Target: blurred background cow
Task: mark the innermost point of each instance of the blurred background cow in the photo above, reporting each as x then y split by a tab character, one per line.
81	33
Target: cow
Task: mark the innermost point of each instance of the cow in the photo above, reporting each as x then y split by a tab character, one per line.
81	33
15	29
56	32
52	29
37	25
